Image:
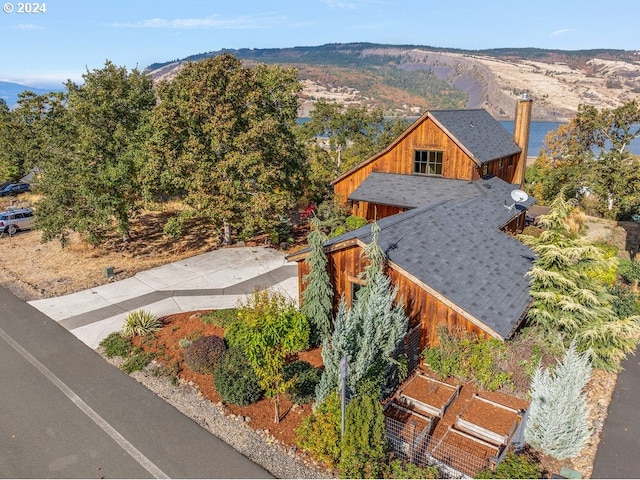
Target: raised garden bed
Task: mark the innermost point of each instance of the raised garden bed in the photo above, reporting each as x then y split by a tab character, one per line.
488	420
464	453
406	429
427	395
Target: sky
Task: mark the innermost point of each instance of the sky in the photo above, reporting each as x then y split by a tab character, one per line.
44	49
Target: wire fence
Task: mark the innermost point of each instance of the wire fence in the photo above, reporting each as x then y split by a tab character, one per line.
413	443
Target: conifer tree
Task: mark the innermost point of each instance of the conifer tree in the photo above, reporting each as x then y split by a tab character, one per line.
368	334
557	423
569	300
318	295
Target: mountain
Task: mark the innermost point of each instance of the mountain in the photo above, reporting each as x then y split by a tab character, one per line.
408	79
9	92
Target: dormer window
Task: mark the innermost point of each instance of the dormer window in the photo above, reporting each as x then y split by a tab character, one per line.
428	162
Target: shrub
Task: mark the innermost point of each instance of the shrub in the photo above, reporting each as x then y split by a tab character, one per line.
204	354
400	469
235	380
116	345
137	361
629	270
354	222
140	322
468	359
364	446
185	342
319	433
306	377
625	302
221	318
514	466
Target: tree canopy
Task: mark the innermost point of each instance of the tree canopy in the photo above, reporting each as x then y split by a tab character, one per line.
223	138
590	158
570	300
91	182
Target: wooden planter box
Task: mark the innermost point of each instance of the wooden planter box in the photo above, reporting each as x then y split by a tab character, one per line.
488	420
406	429
465	453
427	395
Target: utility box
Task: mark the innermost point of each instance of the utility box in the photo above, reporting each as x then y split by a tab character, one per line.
109	272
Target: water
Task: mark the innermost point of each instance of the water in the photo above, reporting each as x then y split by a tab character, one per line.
539	130
537	134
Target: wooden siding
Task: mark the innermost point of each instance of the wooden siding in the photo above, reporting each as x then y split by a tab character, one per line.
420	306
374	211
399	158
504	168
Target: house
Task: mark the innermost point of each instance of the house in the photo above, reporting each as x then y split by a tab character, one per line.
441	194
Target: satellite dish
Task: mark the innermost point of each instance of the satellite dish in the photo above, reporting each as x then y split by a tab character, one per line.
519	196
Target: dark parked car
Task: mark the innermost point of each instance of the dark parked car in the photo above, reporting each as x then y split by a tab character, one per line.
14	189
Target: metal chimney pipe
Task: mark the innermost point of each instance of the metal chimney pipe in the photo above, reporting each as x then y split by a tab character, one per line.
521	128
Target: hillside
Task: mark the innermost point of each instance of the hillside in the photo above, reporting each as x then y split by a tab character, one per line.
408	79
9	92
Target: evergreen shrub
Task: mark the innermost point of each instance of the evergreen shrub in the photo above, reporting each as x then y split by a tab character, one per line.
137	361
400	469
305	379
204	354
629	270
514	466
319	433
235	380
116	345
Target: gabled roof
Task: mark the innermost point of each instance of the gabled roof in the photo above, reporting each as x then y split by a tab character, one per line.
456	248
476	132
412	191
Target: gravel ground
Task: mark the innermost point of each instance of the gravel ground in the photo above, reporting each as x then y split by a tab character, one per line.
258	446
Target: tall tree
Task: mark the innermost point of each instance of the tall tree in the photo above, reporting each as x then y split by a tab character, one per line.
317	297
224	138
9	168
569	298
557	423
591	155
95	184
368	335
354	133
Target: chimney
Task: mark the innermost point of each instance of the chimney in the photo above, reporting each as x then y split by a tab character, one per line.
521	127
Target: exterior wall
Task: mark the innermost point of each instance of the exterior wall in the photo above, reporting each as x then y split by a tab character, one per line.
374	211
505	168
421	307
399	158
516	225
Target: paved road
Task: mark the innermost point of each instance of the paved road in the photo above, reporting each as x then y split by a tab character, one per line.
619	449
66	413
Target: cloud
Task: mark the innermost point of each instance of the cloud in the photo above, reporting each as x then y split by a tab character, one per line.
562	31
236	23
54	80
340	5
355	5
30	26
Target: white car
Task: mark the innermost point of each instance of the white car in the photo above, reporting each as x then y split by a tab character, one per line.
14	219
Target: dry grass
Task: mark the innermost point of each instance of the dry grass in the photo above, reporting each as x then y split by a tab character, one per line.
31	269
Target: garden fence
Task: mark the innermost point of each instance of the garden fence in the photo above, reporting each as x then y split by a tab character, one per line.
408	443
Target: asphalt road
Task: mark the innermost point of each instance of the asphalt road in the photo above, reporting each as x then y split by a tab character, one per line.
66	413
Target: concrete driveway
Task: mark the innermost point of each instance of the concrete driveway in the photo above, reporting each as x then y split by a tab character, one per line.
217	279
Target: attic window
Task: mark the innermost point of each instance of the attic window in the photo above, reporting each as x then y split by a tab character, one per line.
428	162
